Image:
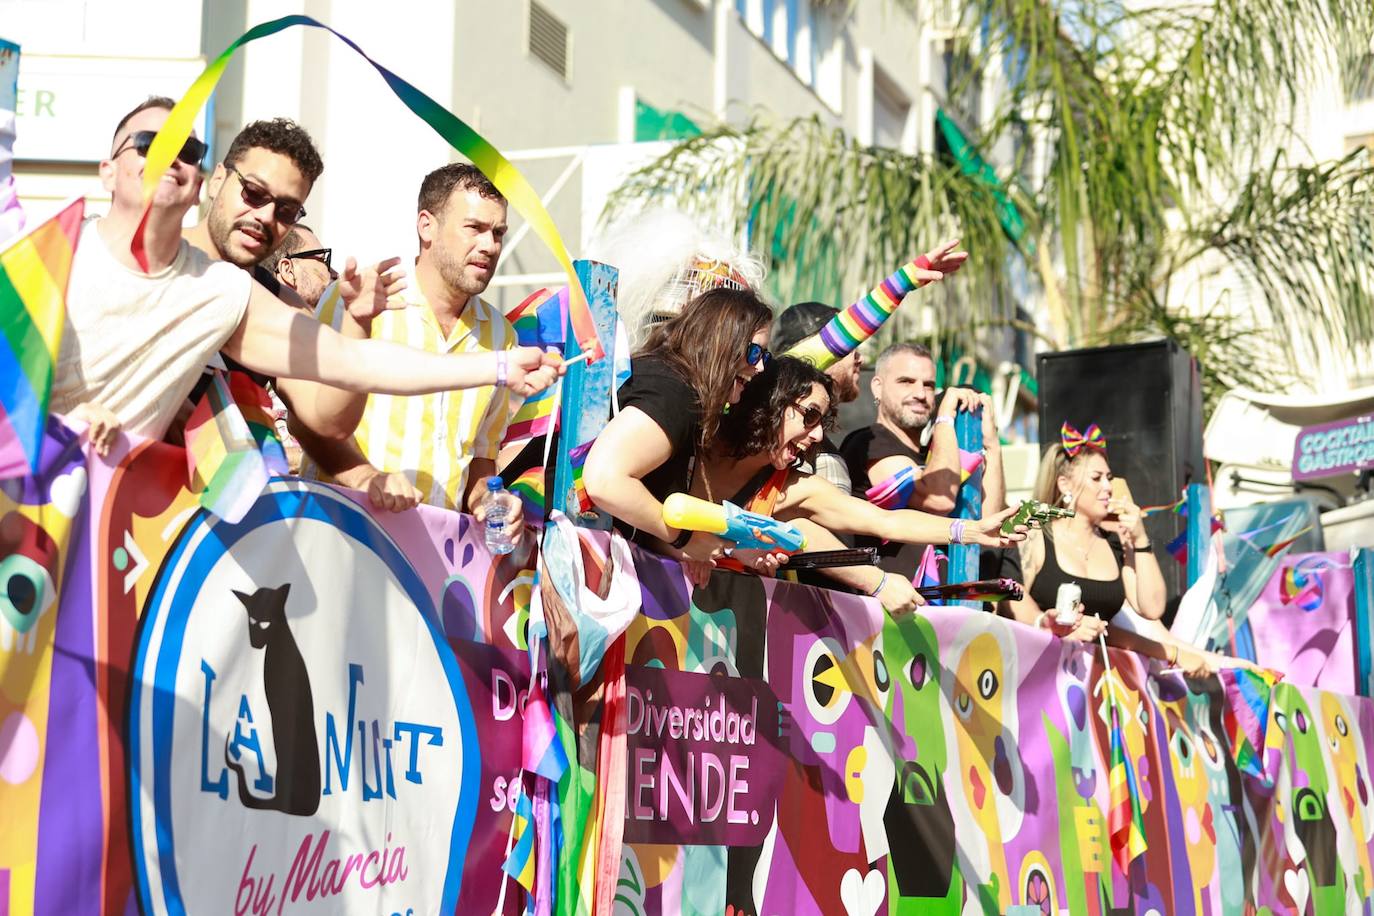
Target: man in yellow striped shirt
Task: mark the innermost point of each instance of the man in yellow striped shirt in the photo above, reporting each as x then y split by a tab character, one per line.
437	448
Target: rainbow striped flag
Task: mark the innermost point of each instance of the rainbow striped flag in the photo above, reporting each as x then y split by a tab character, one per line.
969	463
842	334
894	492
529	486
1125	823
231	446
578	457
538	322
34	269
520	863
1246	716
541	753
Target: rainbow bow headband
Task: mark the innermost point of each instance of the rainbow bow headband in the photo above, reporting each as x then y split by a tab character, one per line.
1075	442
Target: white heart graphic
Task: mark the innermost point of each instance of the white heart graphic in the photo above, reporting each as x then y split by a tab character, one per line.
1296	882
67	490
862	896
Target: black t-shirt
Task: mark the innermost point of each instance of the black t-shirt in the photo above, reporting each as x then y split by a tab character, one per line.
860	449
656	389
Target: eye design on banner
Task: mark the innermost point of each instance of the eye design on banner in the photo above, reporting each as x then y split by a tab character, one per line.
299	742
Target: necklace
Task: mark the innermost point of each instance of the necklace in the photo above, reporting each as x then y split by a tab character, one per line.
1083	552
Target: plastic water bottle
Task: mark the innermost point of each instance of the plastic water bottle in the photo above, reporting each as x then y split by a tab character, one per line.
498	542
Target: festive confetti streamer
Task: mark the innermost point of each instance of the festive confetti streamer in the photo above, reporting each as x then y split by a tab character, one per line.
33	305
842	334
507	178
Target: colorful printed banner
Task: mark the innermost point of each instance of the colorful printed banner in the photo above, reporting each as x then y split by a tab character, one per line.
458	134
320	710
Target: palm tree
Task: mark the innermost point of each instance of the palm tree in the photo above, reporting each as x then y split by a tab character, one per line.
1150	147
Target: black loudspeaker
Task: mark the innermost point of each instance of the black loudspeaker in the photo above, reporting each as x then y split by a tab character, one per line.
1147	398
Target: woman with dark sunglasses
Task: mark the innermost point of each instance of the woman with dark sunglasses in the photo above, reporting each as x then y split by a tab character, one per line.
691	368
780	417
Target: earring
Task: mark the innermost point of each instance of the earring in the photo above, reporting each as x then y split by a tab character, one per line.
1068	499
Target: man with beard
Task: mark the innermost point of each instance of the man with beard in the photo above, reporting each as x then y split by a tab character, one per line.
445	444
302	264
792	327
905	436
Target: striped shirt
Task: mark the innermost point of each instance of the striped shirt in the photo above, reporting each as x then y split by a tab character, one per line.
433	438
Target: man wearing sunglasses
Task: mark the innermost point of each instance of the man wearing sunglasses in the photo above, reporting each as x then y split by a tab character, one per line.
303	264
137	336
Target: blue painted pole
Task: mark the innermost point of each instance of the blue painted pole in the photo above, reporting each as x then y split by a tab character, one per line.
1364	620
968	503
1199	502
586	402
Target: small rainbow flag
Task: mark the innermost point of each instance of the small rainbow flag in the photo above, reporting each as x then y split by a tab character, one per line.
529	486
1246	715
842	334
1274	550
541	752
520	863
34	269
578	457
969	463
231	447
894	492
538	322
1125	823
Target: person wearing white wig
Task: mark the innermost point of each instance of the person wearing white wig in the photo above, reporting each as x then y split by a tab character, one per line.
665	259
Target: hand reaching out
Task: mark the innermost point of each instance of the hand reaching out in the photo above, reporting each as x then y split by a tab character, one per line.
102	426
529	370
368	293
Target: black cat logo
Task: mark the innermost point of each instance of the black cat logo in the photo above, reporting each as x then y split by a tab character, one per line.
287	686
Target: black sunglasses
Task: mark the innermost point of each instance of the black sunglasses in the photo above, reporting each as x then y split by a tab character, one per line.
316	254
755	352
288	212
812	416
192	151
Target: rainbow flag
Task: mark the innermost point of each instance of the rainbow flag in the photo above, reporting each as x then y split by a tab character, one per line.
842	334
538	322
1274	550
1125	823
34	269
1178	547
520	863
1246	715
578	457
894	492
231	446
529	486
969	463
541	753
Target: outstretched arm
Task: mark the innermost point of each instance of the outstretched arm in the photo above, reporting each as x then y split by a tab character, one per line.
278	340
811	497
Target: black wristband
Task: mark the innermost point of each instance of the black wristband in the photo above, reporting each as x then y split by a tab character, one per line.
682	538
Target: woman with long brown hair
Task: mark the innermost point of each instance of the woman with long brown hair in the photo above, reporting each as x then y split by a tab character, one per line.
691	368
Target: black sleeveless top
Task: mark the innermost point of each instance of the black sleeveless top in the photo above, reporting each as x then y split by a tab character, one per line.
1101	597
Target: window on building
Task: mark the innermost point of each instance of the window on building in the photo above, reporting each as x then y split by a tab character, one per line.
893	124
791	30
548	40
1359	80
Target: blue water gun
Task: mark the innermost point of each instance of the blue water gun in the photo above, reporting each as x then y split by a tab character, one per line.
749	530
